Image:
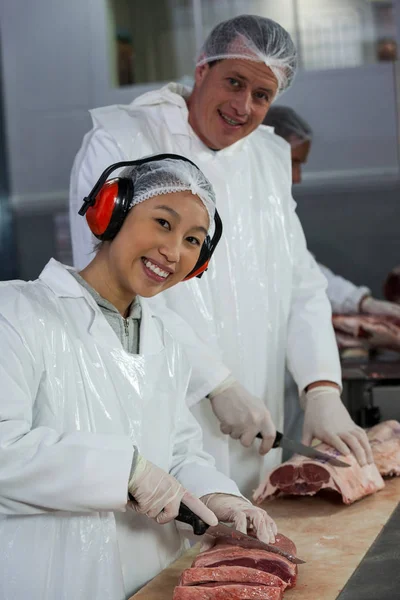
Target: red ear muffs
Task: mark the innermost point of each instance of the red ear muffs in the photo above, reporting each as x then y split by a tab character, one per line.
108	204
111	205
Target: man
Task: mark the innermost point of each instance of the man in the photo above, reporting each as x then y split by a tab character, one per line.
264	298
344	296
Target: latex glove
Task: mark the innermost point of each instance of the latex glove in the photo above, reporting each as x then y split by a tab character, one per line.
327	419
245	517
242	416
158	494
371	306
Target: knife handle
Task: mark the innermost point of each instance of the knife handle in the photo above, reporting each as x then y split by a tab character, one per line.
186	515
277	440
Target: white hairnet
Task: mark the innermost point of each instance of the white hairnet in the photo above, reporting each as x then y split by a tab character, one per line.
167	176
253	38
288	124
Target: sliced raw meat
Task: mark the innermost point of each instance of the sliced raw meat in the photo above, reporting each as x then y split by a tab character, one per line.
385	443
377	331
302	476
227	575
226	555
228	592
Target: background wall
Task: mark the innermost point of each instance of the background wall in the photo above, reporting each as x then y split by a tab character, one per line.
56	64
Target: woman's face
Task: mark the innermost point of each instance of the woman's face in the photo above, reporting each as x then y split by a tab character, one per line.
158	244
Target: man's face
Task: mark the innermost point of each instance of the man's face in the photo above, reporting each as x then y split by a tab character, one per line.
230	100
299	153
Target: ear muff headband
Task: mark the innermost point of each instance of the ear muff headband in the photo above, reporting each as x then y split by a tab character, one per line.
107	206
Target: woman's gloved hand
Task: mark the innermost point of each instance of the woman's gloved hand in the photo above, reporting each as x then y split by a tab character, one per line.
327	419
242	415
157	494
245	517
370	306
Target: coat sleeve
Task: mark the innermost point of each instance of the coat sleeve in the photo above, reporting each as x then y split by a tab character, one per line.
98	151
194	468
43	470
343	295
312	352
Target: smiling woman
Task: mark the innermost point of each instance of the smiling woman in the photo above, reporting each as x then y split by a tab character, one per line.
157	242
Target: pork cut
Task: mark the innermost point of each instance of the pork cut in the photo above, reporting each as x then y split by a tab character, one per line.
228	592
226	555
226	575
385	443
377	331
301	476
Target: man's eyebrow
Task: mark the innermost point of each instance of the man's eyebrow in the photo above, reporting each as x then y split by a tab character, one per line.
178	217
243	78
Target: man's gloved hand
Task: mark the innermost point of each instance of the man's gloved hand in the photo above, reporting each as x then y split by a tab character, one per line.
242	416
370	306
158	495
245	517
326	418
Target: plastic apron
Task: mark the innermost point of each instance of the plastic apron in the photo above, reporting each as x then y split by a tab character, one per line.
243	306
102	555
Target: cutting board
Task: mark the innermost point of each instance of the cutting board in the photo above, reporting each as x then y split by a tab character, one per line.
330	537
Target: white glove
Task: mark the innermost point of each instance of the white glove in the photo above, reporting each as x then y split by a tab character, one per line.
327	419
245	517
371	306
158	495
242	416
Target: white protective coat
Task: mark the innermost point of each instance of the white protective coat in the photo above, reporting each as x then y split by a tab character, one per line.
72	404
343	295
263	295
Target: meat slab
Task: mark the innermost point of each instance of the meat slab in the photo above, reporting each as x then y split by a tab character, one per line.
228	592
223	555
226	575
228	571
302	476
385	443
378	331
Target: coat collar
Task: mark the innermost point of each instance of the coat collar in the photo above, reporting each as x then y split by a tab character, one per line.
172	99
58	278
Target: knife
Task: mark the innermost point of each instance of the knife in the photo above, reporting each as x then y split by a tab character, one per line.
283	442
229	534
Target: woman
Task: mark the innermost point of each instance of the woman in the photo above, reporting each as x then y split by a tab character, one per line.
97	447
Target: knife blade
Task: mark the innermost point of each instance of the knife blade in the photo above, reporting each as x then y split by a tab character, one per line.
283	442
229	534
237	538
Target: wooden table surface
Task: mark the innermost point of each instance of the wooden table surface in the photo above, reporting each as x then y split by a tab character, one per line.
330	537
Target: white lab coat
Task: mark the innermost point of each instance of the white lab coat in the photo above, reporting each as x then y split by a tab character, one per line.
263	296
345	298
72	404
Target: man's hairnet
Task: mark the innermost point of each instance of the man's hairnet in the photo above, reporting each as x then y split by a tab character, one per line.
288	124
253	38
167	176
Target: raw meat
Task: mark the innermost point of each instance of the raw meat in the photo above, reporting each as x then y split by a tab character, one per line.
385	442
223	555
226	575
305	477
377	331
228	592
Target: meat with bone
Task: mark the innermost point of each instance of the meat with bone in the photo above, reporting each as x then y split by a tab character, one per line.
385	443
377	331
223	555
228	592
302	476
226	575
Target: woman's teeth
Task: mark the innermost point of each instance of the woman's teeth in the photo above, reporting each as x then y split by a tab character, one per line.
152	267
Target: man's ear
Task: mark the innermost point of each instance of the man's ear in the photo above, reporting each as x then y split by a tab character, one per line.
200	73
